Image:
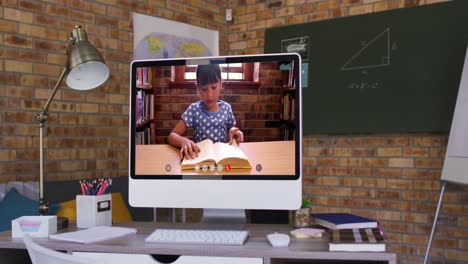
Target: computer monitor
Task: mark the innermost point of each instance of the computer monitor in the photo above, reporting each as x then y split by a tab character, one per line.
264	95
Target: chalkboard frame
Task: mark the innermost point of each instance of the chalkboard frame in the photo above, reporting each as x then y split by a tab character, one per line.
416	93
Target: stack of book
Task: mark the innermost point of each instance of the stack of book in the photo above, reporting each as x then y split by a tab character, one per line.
349	232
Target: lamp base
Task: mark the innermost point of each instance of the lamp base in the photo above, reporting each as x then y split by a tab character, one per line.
62	222
43	207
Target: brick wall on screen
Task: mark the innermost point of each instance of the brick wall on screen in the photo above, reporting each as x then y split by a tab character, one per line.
390	177
254	105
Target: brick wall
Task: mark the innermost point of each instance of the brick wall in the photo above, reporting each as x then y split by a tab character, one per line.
391	177
87	131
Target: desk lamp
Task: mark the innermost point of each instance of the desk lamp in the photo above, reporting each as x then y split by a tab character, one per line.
85	70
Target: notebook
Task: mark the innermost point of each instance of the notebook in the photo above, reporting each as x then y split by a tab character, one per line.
307	232
343	221
94	234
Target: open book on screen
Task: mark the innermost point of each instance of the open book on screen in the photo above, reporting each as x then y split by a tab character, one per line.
218	153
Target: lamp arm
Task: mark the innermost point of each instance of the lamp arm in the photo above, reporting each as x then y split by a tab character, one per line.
45	109
41	118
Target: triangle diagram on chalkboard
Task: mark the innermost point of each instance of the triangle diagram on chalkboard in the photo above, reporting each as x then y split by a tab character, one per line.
375	53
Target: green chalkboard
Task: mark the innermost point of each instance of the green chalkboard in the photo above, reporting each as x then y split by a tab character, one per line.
392	71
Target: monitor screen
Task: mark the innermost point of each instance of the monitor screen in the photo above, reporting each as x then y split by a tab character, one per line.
216	132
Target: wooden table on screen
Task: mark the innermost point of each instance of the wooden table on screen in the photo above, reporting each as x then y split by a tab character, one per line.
274	157
311	250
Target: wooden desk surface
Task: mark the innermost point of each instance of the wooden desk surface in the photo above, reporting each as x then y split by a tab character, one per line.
257	245
275	158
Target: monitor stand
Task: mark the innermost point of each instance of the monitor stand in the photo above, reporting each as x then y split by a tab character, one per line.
224	218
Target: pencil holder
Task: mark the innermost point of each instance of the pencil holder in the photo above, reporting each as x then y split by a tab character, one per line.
93	210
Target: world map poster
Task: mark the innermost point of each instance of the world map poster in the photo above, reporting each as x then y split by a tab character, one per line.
157	38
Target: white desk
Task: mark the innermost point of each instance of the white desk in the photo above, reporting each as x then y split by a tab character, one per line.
257	246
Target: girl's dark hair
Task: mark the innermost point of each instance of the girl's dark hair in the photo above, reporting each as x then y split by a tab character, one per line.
208	73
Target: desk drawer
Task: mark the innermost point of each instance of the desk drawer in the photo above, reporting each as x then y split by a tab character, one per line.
117	258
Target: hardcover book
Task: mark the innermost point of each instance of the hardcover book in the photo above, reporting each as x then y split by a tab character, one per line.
343	221
368	239
218	153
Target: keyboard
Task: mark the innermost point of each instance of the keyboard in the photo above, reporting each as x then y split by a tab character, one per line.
195	236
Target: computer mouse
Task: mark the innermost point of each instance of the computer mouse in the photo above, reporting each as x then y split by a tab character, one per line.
278	240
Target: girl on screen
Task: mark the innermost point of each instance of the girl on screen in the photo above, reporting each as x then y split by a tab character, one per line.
209	118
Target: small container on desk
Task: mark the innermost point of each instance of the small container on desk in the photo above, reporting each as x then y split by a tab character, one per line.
35	226
93	210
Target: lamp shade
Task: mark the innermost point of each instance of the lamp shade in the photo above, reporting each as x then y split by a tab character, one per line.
87	69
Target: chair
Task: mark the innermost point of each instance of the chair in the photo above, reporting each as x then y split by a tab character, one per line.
43	255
